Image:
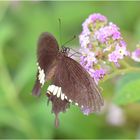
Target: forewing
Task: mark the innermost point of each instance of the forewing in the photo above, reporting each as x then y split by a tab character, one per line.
46	58
47	50
77	85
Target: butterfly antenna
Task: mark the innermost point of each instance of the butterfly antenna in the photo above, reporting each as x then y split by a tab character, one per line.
60	31
76	51
69	40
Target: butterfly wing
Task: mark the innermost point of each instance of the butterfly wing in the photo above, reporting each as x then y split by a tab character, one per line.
77	85
46	54
57	106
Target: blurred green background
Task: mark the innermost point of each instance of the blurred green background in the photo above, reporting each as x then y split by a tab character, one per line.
25	116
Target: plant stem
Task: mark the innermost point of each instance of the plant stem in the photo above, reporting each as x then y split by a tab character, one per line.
125	64
121	72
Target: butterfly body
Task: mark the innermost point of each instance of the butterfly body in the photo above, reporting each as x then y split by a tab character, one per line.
71	83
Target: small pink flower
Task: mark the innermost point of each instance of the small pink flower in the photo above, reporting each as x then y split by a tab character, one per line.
136	55
113	57
99	74
115	115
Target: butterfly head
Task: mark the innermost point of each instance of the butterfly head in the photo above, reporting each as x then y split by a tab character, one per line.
65	50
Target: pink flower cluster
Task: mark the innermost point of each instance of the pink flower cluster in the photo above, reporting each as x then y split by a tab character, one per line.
101	44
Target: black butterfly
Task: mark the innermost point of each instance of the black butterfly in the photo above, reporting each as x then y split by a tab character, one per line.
71	83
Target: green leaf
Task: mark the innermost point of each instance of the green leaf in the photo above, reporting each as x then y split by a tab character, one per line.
3	8
128	90
25	72
6	32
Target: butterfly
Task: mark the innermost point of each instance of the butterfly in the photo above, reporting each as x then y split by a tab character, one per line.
70	82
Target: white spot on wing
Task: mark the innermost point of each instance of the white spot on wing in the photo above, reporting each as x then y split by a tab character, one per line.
55	90
41	75
49	92
62	96
58	94
59	90
51	88
70	100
